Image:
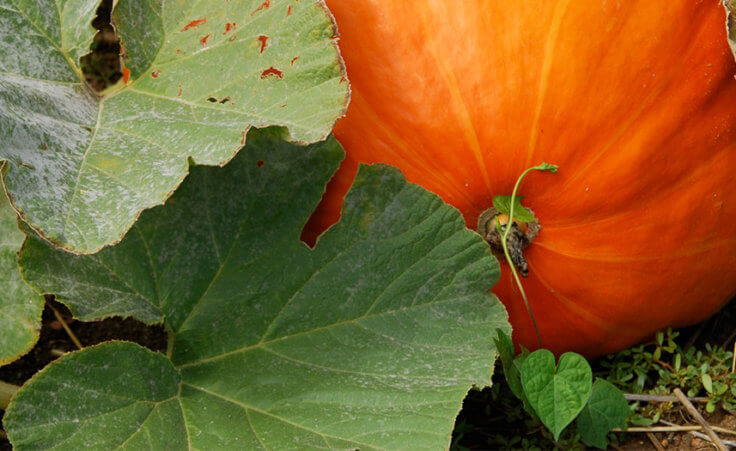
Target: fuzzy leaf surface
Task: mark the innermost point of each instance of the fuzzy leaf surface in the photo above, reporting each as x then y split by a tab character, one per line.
557	393
20	307
81	167
369	340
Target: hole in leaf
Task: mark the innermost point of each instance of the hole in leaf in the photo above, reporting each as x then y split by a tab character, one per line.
102	66
212	99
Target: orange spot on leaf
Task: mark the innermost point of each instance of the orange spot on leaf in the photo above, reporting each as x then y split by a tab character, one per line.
293	60
343	80
272	71
203	39
230	26
194	23
263	40
288	11
155	73
126	75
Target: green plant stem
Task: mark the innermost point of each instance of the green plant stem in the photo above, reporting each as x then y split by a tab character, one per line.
171	338
6	392
504	237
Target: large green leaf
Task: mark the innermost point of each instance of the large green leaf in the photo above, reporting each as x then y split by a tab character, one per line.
81	167
371	339
20	307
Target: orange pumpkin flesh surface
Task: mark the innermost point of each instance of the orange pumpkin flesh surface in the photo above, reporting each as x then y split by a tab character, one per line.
635	101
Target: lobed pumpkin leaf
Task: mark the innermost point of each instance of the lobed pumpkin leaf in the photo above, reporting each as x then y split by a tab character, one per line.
20	307
197	75
557	393
369	340
606	409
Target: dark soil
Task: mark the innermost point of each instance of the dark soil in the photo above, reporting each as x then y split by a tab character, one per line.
102	66
54	342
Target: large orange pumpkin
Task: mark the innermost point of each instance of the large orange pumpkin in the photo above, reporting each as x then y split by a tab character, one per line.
634	100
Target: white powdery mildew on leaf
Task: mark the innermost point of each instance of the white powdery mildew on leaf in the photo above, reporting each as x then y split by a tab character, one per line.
369	340
81	168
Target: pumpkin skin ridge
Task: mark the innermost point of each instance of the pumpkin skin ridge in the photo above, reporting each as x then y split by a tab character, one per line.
549	53
702	171
450	78
405	145
670	134
651	101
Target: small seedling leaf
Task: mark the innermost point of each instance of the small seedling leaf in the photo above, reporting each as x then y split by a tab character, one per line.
369	340
606	409
503	204
557	393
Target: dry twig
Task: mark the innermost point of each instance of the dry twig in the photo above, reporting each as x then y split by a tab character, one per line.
660	398
654	441
699	418
65	326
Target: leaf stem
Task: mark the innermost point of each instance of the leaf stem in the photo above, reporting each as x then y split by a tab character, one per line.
6	392
171	338
504	237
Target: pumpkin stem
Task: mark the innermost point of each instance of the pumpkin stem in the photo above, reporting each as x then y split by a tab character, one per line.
493	226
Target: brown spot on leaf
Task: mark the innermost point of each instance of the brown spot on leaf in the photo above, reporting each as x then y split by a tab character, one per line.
230	26
272	71
194	24
155	73
263	40
264	5
293	60
260	163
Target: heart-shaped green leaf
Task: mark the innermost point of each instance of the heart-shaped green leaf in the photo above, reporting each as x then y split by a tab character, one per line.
606	409
20	307
81	167
558	393
369	340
